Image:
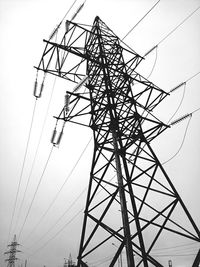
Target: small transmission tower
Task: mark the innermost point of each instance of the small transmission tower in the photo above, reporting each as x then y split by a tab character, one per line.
12	253
131	200
69	262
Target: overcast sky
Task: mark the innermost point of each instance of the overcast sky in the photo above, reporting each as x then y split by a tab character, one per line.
24	24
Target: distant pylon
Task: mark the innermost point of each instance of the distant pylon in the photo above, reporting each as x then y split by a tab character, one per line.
12	253
69	262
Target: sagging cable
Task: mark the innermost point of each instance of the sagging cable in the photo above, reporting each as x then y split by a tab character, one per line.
154	64
184	136
181	119
182	98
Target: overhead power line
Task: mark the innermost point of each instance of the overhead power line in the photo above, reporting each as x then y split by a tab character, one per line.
195	110
183	84
22	170
59	219
174	255
65	212
182	142
140	20
189	115
192	77
172	31
38	185
58	26
59	191
56	234
73	17
154	64
177	246
179	25
36	153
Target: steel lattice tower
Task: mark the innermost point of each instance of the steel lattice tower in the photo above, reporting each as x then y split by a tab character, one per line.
131	200
12	253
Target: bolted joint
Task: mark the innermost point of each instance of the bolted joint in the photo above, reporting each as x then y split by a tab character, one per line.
137	116
94	127
141	136
121	152
113	125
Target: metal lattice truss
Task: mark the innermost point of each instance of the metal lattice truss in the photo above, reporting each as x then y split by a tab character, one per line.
12	253
131	201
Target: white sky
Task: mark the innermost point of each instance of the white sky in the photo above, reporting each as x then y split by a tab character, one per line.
24	24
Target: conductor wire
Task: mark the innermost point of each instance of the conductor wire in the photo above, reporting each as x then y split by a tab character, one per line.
68	10
180	24
22	170
172	31
57	233
36	152
38	185
192	77
58	220
154	64
59	191
140	20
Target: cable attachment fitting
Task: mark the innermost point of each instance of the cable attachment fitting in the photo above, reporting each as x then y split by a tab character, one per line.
177	87
57	136
181	119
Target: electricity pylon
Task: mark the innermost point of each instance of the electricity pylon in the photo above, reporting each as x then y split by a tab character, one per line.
131	201
12	253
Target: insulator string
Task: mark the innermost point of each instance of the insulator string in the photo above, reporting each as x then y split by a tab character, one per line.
58	26
177	87
183	83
